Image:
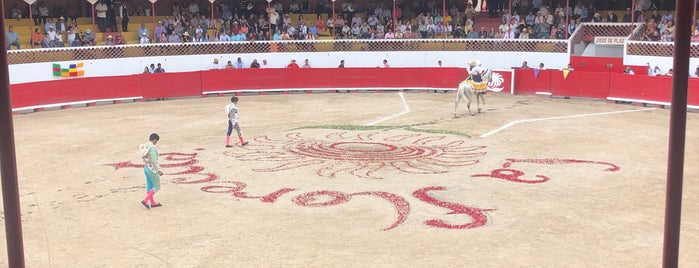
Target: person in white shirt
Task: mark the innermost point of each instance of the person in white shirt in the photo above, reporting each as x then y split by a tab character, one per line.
215	65
232	113
144	39
264	64
101	14
385	64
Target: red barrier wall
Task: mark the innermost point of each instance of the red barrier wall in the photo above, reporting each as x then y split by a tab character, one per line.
597	85
527	82
71	90
163	85
579	84
234	79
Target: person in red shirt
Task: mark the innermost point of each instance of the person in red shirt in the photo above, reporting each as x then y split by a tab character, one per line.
292	64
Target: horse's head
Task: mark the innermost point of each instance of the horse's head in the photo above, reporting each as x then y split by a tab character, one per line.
487	75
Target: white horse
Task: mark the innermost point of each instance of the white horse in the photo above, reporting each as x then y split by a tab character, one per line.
466	90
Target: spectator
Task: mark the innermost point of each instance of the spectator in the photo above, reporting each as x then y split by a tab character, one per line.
124	14
88	38
524	65
151	69
385	64
11	38
264	64
669	72
159	29
215	65
159	69
144	39
628	71
101	14
306	64
119	39
73	37
61	26
342	64
16	12
173	38
146	70
162	39
541	66
109	41
627	16
229	65
439	63
239	64
524	34
49	25
695	36
696	72
143	30
542	29
597	18
612	17
667	36
43	12
572	26
46	41
292	64
254	64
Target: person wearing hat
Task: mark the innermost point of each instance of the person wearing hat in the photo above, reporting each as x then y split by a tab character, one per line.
144	39
475	75
186	38
61	26
109	41
88	38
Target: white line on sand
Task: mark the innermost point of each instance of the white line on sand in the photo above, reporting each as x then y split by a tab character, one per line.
512	123
406	110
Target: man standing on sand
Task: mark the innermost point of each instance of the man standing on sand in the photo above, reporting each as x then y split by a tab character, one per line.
149	154
232	112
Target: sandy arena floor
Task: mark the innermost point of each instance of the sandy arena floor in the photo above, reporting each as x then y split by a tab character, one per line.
354	180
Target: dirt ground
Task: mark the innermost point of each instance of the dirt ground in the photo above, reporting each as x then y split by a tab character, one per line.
354	180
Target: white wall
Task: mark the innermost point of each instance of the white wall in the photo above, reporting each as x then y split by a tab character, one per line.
34	72
665	63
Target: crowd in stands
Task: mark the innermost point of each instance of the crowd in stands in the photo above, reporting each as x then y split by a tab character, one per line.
247	20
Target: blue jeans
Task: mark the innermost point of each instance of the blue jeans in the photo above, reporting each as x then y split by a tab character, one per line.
15	43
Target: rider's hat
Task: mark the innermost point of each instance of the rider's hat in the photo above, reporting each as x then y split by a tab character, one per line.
473	62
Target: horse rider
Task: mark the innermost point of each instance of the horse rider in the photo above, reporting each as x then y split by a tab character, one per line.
475	76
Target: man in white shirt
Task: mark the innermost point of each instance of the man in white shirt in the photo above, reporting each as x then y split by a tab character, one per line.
101	14
144	39
52	37
264	64
215	65
232	112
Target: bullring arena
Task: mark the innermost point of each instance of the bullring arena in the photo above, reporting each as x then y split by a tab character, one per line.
353	167
353	180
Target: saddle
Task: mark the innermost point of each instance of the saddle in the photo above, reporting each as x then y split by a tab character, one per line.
478	87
